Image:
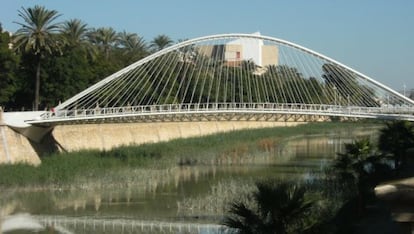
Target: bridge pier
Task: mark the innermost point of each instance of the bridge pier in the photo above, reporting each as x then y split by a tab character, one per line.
15	147
4	144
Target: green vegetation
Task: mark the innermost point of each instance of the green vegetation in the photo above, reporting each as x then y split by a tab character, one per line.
395	139
53	61
279	209
341	200
348	202
160	42
8	65
224	148
47	60
61	169
38	37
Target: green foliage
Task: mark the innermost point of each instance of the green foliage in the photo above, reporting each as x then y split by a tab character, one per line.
8	68
345	88
395	139
62	168
63	58
160	42
356	172
105	39
213	80
66	58
23	97
278	208
39	36
67	75
74	32
350	165
38	32
132	47
361	168
343	195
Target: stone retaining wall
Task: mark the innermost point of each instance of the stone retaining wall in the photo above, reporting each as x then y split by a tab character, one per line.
106	136
15	147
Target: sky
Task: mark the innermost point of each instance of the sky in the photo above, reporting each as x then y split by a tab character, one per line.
374	37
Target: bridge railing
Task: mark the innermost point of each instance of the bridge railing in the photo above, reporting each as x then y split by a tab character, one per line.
290	108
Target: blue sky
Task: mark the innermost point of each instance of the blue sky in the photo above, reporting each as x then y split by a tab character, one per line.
374	37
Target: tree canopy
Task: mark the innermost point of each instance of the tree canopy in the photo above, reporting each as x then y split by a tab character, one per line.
52	60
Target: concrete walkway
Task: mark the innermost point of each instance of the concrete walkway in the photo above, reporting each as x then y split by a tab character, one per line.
399	196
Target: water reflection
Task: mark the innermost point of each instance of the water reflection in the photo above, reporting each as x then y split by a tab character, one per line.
25	223
196	192
21	222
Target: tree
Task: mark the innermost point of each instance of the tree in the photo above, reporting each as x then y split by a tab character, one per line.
133	46
160	42
280	209
357	171
104	38
360	169
396	138
38	35
344	88
74	31
66	75
350	165
8	66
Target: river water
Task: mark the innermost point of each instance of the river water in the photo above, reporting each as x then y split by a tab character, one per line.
183	199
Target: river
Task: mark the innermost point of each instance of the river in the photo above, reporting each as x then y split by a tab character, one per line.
182	199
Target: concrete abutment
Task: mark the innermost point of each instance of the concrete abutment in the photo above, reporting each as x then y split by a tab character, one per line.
15	147
109	135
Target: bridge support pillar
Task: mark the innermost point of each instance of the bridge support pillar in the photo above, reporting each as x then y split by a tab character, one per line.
6	158
19	143
16	148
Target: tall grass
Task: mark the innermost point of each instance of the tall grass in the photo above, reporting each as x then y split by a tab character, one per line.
61	169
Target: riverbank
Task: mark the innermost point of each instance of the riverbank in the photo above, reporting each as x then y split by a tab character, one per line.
190	180
61	170
23	143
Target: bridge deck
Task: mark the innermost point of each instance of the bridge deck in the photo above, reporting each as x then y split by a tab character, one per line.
158	112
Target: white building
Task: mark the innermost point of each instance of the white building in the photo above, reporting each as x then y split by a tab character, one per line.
244	49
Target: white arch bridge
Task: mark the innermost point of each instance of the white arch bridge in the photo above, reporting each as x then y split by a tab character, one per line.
232	77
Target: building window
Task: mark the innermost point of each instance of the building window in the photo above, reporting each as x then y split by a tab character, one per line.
238	55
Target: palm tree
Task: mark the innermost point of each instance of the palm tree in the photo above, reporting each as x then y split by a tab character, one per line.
104	38
360	169
358	160
38	35
75	33
280	209
357	171
133	46
350	166
396	138
160	42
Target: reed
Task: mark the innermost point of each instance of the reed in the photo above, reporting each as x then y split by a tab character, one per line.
235	147
216	201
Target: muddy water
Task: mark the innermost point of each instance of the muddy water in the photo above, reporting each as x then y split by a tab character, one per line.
183	199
